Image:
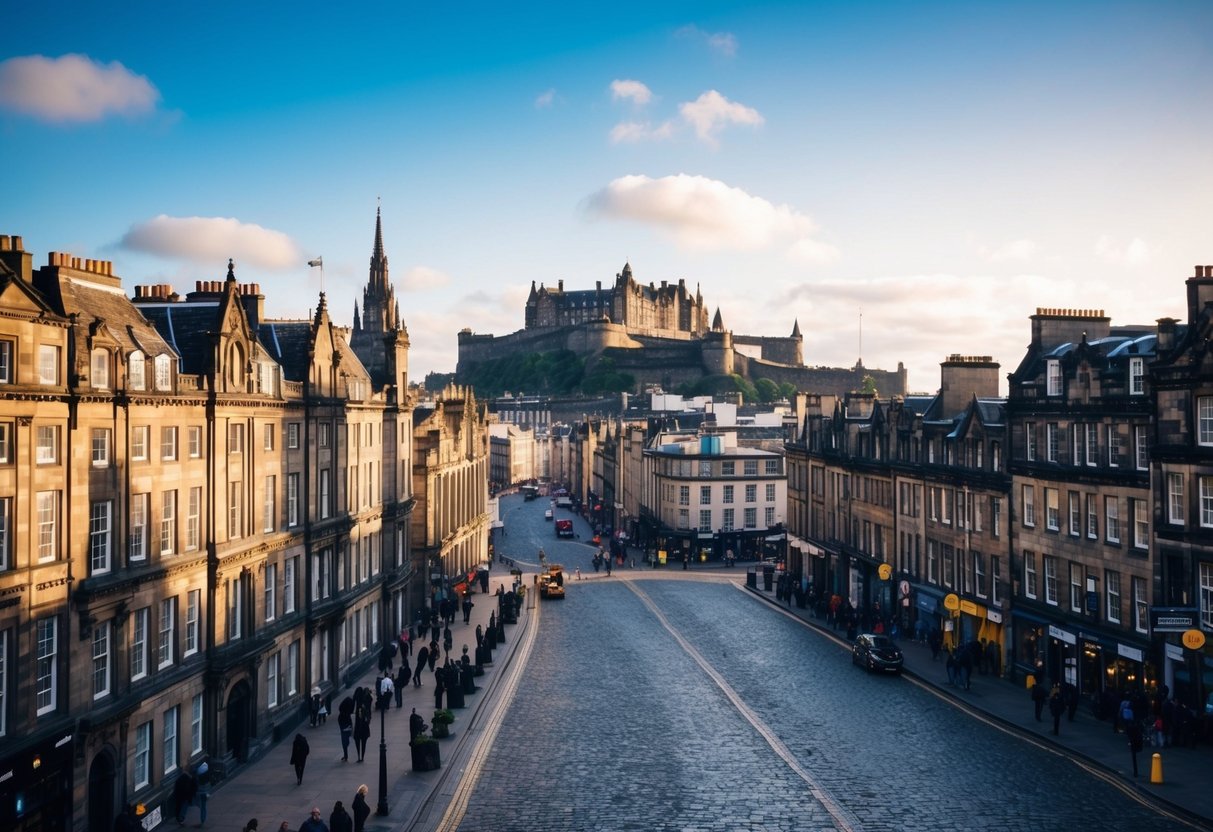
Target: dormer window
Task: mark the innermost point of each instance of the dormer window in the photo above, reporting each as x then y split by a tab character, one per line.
1137	376
1053	377
99	370
135	376
164	373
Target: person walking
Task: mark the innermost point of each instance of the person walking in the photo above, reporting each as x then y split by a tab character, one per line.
1039	695
184	790
1133	729
402	679
345	722
423	656
1069	693
416	726
340	820
313	823
299	752
467	609
202	776
362	729
361	810
1057	707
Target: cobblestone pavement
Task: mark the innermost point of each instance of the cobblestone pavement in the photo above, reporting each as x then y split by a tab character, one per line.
745	720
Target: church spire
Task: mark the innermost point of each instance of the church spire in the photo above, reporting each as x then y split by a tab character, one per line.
379	310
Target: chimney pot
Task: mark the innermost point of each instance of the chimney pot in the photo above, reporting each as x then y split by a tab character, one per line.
18	245
4	242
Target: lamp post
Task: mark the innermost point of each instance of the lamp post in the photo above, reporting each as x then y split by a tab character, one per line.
382	809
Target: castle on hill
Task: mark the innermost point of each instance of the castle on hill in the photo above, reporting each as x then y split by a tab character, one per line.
660	335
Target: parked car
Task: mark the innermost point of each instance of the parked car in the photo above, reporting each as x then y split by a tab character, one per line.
547	514
876	652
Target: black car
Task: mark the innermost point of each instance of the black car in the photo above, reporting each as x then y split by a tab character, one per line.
876	652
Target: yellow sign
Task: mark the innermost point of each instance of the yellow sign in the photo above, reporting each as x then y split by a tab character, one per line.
661	556
969	608
951	601
1193	639
885	571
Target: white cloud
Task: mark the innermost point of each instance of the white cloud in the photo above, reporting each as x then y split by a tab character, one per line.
214	239
634	90
73	88
711	112
811	251
627	132
705	214
722	42
1110	250
545	99
1021	250
423	278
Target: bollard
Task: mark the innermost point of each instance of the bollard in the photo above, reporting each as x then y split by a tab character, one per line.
1156	770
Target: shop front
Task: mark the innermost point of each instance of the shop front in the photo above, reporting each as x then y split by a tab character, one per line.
36	787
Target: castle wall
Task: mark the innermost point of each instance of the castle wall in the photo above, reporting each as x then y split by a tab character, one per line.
776	350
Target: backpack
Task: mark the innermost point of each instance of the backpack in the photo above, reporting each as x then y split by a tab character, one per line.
1126	714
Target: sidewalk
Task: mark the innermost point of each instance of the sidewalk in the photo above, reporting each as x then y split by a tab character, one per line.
266	789
1187	783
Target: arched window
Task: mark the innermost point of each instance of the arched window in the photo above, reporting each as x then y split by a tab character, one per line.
135	378
235	365
164	373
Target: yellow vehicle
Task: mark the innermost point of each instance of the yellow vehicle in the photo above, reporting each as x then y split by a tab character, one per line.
551	583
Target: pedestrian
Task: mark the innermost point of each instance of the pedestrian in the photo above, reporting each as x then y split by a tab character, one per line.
467	609
286	827
340	820
402	679
1159	734
577	572
1069	693
1057	707
202	776
386	688
312	824
433	658
686	562
299	752
423	656
1133	729
362	728
935	641
361	810
184	790
251	826
1039	695
964	666
345	722
416	726
952	667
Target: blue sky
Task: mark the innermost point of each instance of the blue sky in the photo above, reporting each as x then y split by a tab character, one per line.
940	169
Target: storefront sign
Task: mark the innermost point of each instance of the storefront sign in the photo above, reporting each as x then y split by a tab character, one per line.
1173	619
1193	639
994	616
884	571
1174	652
1062	635
927	603
152	819
969	608
1128	652
951	602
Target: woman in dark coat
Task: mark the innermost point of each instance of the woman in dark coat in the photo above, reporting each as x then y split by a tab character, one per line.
361	810
340	820
402	679
362	730
299	752
423	656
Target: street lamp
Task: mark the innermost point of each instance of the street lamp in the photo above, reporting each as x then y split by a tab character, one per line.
382	809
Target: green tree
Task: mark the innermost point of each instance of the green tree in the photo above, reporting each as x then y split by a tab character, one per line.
767	390
869	386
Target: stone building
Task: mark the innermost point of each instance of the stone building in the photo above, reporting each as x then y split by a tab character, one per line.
669	308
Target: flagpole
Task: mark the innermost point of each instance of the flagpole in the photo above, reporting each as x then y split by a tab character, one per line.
318	262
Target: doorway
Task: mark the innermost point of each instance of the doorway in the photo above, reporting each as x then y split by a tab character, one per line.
101	778
239	720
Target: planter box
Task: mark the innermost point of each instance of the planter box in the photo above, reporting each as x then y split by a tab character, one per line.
440	730
426	756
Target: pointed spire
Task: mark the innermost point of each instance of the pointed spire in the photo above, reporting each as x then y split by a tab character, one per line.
717	322
378	253
231	270
796	328
357	320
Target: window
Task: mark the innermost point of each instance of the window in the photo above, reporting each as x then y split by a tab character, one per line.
163	373
47	439
1052	509
770	492
1053	377
996	516
1137	376
1076	590
6	442
1076	435
705	495
1112	519
1206	501
324	434
267	508
1175	499
1141	524
751	467
995	580
170	739
168	632
728	468
168	522
193	518
1092	518
3	683
48	521
48	364
1029	574
1206	594
1029	505
684	495
292	499
271	680
235	438
168	442
751	493
728	494
292	435
1075	514
932	562
268	441
193	605
6	523
135	375
1114	446
101	447
139	442
1112	595
101	659
768	514
6	361
1052	442
1141	606
979	573
46	684
1050	579
705	520
194	438
196	724
751	518
99	538
271	586
235	503
289	569
292	668
727	522
143	755
1092	444
705	468
99	370
139	627
1029	438
1141	445
326	491
772	467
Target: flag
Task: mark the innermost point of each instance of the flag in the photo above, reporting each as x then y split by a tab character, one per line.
319	261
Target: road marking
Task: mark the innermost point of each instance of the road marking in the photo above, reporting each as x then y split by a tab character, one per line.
504	697
843	818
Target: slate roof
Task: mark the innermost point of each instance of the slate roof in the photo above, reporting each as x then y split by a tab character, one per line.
123	320
187	327
288	342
